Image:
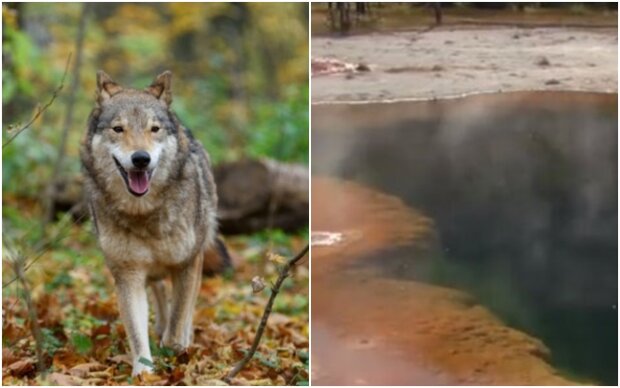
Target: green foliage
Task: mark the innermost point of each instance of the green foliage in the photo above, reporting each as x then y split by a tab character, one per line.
240	76
291	304
147	362
82	343
51	343
29	159
23	65
61	279
281	130
269	361
161	351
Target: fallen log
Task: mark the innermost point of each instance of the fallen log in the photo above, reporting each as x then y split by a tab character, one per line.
262	194
253	195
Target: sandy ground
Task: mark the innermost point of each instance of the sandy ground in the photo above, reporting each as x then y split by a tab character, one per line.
450	62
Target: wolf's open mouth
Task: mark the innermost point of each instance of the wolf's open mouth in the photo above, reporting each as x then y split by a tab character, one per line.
137	181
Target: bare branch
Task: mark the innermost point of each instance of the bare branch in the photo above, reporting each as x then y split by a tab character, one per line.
42	109
284	272
18	266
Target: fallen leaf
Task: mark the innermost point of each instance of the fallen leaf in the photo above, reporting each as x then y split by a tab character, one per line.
176	375
60	379
64	359
121	358
258	284
8	357
278	319
299	340
151	379
104	310
275	258
21	368
83	370
12	332
209	381
49	311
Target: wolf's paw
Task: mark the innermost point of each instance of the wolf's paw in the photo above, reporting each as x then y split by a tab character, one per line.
177	345
142	365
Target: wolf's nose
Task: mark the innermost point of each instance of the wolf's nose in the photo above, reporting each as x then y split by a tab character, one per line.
141	159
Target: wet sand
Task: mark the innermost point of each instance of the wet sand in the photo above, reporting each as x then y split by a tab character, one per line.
368	329
453	61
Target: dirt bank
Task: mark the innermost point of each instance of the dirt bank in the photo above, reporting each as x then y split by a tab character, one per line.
454	61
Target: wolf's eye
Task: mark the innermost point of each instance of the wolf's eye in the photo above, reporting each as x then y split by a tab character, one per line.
154	128
118	129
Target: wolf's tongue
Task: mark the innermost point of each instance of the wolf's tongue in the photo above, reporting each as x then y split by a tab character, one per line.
138	181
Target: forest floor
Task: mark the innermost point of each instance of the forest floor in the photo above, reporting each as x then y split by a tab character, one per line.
84	342
456	60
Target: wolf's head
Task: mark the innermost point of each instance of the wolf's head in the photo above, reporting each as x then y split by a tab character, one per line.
132	142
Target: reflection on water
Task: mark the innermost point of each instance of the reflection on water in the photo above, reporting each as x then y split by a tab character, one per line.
522	193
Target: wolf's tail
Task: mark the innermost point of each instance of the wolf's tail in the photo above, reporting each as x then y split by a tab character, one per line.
217	259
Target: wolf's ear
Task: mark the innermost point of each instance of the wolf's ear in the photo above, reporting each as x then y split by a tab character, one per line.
161	87
106	87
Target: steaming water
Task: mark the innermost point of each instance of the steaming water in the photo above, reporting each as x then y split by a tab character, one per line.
522	190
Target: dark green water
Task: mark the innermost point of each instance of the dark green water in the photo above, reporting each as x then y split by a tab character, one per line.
523	190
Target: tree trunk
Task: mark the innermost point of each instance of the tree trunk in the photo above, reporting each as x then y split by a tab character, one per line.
53	183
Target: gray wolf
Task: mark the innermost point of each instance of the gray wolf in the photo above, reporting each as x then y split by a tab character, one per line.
152	197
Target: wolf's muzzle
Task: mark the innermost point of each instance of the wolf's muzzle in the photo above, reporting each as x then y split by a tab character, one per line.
137	180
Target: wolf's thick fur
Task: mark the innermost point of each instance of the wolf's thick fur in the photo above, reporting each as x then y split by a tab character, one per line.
152	197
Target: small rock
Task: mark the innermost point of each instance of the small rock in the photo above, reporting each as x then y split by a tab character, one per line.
362	67
543	62
552	82
437	68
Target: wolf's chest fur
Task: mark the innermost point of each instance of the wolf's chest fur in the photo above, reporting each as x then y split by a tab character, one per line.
166	237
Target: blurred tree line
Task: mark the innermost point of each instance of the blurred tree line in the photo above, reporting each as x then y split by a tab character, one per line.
343	16
240	76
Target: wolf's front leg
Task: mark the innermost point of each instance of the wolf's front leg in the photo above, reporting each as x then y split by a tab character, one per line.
185	284
133	306
161	306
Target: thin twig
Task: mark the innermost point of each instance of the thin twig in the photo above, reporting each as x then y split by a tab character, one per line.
43	109
284	271
18	266
12	306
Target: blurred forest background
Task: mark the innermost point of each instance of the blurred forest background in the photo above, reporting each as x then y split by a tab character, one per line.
240	83
240	75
